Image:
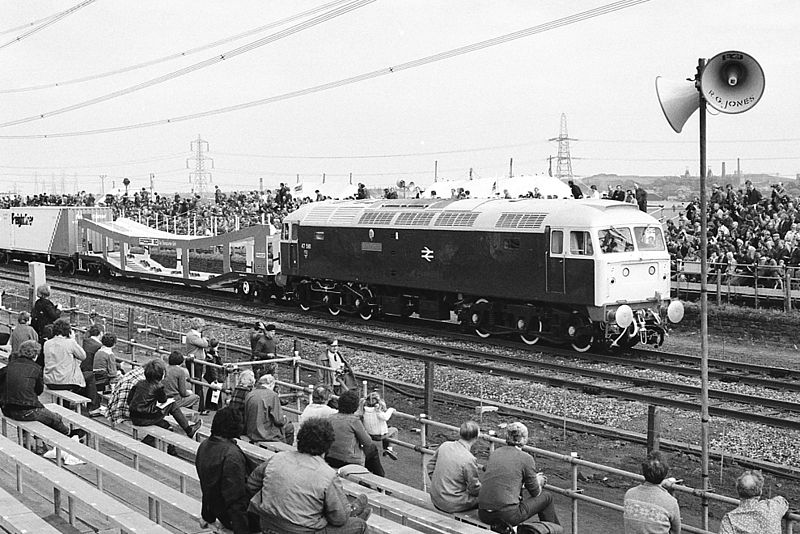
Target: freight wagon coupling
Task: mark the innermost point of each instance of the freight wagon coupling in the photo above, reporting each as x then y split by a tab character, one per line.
539	270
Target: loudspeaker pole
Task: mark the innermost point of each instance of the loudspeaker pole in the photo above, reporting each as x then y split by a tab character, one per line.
704	418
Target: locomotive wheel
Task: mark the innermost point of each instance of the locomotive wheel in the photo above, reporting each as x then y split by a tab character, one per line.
530	335
365	310
582	338
303	295
477	317
334	310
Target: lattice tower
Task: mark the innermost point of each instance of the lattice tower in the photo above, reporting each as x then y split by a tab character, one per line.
200	177
563	161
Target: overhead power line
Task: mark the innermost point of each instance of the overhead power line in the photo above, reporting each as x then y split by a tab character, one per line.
178	55
564	21
201	65
29	24
47	22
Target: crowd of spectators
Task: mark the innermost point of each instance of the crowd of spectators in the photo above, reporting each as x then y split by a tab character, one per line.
749	235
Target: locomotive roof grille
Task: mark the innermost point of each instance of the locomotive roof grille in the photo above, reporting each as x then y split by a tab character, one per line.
319	215
521	220
377	217
345	215
456	218
415	218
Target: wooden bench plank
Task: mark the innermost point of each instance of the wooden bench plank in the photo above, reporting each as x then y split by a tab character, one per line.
156	492
60	396
100	432
19	519
76	489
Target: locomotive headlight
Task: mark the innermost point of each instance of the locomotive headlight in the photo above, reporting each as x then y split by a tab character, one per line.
675	311
624	316
652	270
626	271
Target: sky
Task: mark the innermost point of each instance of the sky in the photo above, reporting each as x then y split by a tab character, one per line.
489	111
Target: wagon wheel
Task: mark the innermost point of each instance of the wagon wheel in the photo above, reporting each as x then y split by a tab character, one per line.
69	269
477	317
529	333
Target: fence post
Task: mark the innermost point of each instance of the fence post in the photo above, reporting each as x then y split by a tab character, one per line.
131	329
296	369
423	443
429	375
719	287
787	291
755	284
653	428
73	314
575	491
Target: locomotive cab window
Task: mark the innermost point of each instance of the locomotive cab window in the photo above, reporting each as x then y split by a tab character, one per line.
580	243
557	242
614	240
649	238
285	232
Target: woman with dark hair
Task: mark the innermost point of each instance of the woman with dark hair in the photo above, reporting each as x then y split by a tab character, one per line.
145	398
353	445
296	491
222	468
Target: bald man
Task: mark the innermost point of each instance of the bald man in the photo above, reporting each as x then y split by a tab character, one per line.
753	514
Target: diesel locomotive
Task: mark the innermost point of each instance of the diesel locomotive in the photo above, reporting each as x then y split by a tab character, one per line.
579	272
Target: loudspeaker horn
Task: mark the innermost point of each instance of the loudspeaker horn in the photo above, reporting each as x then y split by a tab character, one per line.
732	82
678	101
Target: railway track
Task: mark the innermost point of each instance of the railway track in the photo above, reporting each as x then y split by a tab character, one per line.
572	374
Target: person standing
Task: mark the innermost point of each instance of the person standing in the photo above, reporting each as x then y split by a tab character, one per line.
575	190
297	492
263	415
22	332
196	346
223	469
641	197
454	472
44	311
753	514
649	507
62	366
262	346
510	471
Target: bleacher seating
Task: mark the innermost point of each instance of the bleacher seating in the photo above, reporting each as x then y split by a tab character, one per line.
17	518
391	515
94	504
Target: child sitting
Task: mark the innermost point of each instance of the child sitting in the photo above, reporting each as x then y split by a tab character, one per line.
375	418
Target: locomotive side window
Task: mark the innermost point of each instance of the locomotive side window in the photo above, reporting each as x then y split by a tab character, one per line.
580	243
294	230
649	238
556	242
511	244
613	240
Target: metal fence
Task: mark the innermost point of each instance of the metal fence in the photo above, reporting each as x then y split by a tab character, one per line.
135	352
